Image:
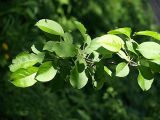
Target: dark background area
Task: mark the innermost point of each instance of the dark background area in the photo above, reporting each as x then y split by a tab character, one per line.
119	99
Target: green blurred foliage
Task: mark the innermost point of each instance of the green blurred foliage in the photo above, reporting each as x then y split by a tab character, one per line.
118	100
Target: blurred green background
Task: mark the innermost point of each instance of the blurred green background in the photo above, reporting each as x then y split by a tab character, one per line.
119	99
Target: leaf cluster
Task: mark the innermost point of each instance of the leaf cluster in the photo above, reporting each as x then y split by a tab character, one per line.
87	60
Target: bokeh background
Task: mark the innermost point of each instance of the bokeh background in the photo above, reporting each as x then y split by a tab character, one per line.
119	99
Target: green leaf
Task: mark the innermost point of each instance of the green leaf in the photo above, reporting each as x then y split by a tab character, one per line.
78	79
154	67
40	57
95	57
80	27
99	76
126	31
25	60
46	72
110	42
94	45
62	49
50	26
108	71
153	34
68	38
24	77
149	50
87	39
81	63
157	60
131	46
122	69
34	50
145	78
104	52
83	30
123	55
144	62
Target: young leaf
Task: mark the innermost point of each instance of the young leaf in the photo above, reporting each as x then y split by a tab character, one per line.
123	55
87	39
80	27
34	49
149	50
94	45
153	34
50	26
46	72
25	60
83	30
126	31
62	49
24	77
78	80
145	78
131	46
108	71
122	69
112	43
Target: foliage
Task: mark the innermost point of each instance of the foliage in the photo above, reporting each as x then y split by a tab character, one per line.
80	55
123	99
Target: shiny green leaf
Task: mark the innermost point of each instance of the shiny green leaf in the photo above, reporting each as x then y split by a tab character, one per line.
25	60
94	45
46	72
123	55
131	46
24	77
153	34
110	42
157	60
78	79
50	26
126	31
145	78
62	49
122	69
34	49
87	39
108	71
149	50
80	27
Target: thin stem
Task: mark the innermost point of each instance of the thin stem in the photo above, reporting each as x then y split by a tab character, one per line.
132	63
